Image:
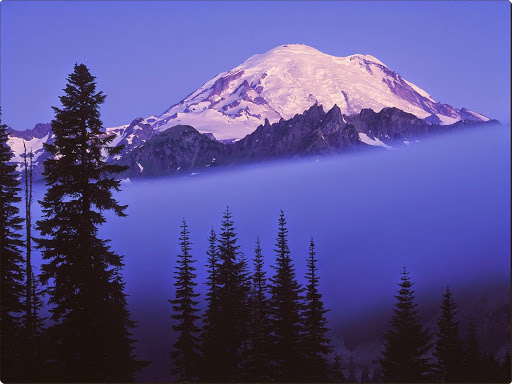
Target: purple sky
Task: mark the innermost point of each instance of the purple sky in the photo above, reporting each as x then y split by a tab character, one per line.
150	55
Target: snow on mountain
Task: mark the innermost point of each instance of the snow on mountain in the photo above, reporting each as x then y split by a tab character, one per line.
278	84
33	139
288	80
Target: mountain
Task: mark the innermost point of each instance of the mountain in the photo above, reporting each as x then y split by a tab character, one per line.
33	139
184	150
275	86
288	80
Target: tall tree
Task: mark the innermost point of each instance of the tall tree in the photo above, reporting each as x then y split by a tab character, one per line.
259	324
11	259
28	242
448	347
33	349
91	334
407	343
337	375
230	299
286	307
210	341
472	356
317	345
244	317
185	355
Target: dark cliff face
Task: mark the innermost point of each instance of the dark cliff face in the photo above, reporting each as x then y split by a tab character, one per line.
312	133
183	150
178	150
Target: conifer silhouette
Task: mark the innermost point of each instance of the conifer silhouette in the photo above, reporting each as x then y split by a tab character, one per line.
11	260
448	347
185	355
407	343
286	307
315	341
91	333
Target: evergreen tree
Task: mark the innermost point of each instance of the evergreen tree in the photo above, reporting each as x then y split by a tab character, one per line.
230	300
406	342
448	348
472	356
91	334
316	344
186	349
286	307
36	343
33	350
11	259
337	370
259	325
28	242
244	317
210	342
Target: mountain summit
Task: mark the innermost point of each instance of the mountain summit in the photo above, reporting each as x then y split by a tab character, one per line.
291	78
268	87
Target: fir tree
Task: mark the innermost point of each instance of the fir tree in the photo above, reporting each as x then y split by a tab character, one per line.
11	259
316	344
210	342
186	349
448	348
37	344
91	333
28	242
244	317
260	341
337	370
33	350
472	356
230	300
406	342
286	307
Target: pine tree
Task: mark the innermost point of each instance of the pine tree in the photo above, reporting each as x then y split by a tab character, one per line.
91	333
230	300
316	343
28	242
36	346
337	370
11	259
259	355
33	350
448	348
286	307
210	342
406	342
185	355
472	356
244	317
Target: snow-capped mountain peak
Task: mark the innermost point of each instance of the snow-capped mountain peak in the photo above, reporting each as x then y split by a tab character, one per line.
275	85
289	79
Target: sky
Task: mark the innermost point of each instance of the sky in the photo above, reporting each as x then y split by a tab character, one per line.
150	55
